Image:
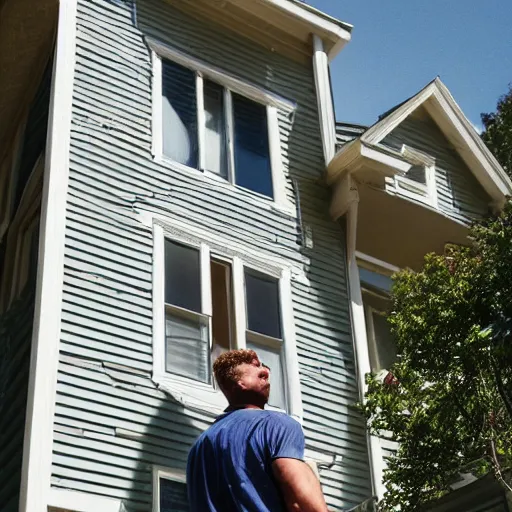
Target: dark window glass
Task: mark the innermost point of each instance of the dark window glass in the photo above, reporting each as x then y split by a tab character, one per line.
252	155
173	496
182	276
263	315
179	113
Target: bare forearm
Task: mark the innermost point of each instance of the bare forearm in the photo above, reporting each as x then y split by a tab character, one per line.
300	488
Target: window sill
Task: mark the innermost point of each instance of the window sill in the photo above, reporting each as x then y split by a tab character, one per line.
254	198
191	393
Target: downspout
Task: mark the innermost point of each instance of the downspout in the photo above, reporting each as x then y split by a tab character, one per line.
360	340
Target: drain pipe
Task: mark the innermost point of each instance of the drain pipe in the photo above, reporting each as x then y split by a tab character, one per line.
359	328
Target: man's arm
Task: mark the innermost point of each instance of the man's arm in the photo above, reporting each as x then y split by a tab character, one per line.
300	487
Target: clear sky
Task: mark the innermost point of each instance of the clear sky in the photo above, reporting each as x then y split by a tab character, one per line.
398	46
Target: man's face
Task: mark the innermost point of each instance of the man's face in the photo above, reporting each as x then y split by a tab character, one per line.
254	379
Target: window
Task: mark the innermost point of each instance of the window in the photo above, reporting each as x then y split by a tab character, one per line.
208	120
381	346
419	183
207	126
214	300
169	491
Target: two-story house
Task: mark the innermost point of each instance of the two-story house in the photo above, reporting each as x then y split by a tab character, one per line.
165	202
171	189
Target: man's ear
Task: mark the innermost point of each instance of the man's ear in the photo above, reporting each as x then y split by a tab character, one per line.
240	386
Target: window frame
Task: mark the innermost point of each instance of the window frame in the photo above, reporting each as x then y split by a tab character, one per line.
231	84
197	394
385	269
423	192
175	475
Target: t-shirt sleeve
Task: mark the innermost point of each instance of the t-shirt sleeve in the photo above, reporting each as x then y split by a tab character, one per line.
285	439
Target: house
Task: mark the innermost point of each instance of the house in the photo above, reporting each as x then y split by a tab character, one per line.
406	186
177	188
171	188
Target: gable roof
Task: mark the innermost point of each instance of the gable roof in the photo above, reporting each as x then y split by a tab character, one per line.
447	114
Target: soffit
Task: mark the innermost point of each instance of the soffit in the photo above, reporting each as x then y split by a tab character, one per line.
268	25
401	232
26	35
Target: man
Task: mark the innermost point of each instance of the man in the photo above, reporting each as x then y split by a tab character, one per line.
250	460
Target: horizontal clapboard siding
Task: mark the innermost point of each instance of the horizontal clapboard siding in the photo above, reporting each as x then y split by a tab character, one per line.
112	424
459	194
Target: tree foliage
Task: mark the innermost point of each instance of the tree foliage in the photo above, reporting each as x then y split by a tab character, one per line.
498	131
448	399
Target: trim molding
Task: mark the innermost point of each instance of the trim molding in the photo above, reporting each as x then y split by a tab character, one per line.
37	447
324	99
73	501
447	114
222	77
360	340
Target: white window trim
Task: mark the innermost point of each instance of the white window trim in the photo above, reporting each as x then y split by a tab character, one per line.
176	475
74	501
424	193
231	84
204	396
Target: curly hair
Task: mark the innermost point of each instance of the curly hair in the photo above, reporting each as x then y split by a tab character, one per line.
225	366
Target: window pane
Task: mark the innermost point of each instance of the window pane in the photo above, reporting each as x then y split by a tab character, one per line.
173	496
272	359
182	276
417	173
179	113
263	314
222	308
215	129
252	155
187	347
385	344
375	280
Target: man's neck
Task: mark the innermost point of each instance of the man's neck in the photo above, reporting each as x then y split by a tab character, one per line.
234	407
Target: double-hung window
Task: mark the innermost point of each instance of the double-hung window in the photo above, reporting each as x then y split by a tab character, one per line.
207	120
214	300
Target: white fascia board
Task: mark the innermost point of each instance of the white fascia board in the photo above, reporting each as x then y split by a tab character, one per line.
483	164
379	130
381	157
352	155
327	27
81	502
486	160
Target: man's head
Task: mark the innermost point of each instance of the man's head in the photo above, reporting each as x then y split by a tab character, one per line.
242	378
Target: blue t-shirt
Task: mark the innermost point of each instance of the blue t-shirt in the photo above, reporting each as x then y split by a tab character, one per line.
230	465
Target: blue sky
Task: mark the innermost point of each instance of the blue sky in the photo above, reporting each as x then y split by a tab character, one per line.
398	46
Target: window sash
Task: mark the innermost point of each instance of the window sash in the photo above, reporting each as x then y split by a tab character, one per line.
229	136
202	394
